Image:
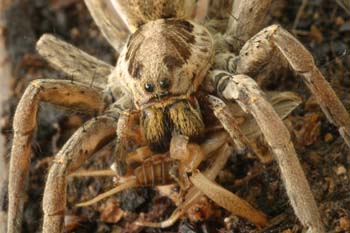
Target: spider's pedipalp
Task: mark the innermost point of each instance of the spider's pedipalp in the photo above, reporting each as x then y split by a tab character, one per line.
248	95
274	42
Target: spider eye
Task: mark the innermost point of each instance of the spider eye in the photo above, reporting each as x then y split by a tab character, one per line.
149	87
164	83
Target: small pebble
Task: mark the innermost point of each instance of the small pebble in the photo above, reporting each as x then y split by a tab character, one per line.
74	33
339	21
344	223
341	170
328	137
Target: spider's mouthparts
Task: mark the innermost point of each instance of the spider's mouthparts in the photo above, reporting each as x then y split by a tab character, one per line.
160	95
161	100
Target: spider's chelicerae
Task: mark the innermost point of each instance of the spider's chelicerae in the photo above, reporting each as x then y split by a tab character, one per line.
173	65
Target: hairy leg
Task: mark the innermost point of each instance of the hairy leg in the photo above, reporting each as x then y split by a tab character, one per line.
282	102
244	134
109	21
246	92
84	142
81	66
64	93
247	18
275	42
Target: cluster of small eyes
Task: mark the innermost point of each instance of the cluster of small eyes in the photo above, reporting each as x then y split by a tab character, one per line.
164	84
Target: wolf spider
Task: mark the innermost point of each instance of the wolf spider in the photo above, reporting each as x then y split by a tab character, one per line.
171	57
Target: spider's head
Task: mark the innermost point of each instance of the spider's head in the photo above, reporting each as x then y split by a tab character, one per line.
164	58
161	66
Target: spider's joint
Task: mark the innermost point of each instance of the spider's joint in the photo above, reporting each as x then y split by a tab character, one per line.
216	103
60	161
253	100
37	83
57	213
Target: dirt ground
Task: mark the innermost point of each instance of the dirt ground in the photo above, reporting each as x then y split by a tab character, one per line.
321	25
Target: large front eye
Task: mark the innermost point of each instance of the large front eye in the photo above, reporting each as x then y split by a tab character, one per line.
149	87
164	83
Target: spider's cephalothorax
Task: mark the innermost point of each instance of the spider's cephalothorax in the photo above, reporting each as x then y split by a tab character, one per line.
161	66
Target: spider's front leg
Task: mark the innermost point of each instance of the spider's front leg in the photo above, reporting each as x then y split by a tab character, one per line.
85	141
275	42
246	92
63	93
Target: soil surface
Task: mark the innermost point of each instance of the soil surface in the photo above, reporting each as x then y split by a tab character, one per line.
321	25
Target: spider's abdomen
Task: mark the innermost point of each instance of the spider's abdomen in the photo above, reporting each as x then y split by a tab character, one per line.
139	12
164	58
